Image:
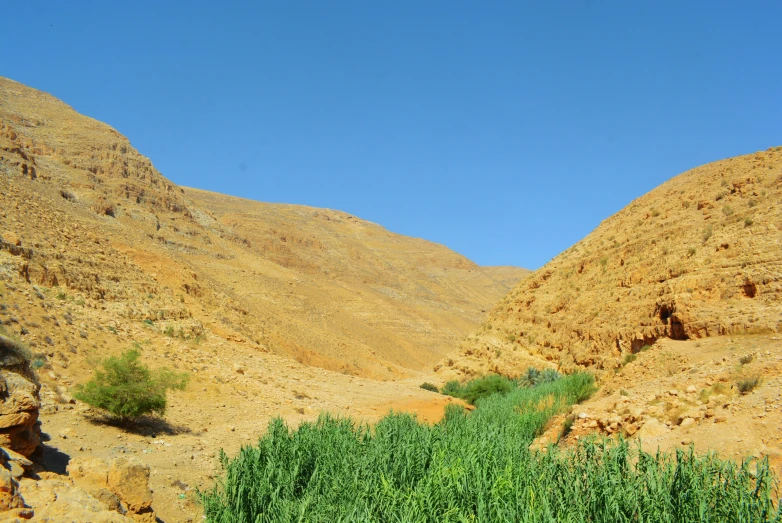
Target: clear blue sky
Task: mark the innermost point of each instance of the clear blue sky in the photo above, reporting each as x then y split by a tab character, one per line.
504	130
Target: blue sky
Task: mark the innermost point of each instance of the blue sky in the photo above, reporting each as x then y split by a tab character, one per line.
504	130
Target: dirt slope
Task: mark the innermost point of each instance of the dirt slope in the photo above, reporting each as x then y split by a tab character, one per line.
99	253
87	215
699	256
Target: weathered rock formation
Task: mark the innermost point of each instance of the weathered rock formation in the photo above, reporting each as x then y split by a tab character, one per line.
123	484
699	256
85	217
19	400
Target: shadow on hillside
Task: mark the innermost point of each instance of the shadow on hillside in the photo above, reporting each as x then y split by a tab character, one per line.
149	426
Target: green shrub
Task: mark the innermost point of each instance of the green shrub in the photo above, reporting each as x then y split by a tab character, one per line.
534	377
629	358
430	387
474	390
127	390
747	385
451	388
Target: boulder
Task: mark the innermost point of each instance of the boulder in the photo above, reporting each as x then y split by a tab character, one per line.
127	479
653	428
59	500
19	399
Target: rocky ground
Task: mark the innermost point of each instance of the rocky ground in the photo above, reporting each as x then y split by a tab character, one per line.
679	393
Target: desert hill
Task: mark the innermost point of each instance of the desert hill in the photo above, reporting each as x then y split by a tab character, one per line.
699	256
85	214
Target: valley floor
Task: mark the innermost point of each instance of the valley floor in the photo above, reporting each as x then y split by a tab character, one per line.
659	397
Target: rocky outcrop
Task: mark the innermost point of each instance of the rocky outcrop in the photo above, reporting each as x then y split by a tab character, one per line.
19	400
122	482
697	257
57	500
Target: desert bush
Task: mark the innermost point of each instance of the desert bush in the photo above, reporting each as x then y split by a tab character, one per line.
127	390
749	384
534	377
744	360
430	387
629	358
451	388
707	233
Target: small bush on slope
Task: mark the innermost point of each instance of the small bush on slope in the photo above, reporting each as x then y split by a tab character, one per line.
127	389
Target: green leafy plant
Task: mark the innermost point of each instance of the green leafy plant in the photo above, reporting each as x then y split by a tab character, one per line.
127	390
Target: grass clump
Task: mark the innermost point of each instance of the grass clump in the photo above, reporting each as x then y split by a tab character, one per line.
707	233
629	358
485	386
478	388
749	384
478	467
127	390
430	387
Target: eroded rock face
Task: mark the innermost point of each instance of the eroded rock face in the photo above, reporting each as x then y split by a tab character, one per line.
697	257
59	500
123	479
19	400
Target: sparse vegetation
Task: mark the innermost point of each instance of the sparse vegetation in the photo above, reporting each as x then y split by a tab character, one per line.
127	390
744	360
748	384
707	233
748	222
691	251
478	467
727	210
485	386
629	358
430	387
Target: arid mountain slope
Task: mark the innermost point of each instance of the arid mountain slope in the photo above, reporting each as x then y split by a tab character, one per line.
699	256
85	213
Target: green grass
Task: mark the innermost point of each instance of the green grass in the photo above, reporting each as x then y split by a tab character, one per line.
485	386
478	467
629	358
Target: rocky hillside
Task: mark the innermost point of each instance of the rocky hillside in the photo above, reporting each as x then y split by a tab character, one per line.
84	216
699	256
